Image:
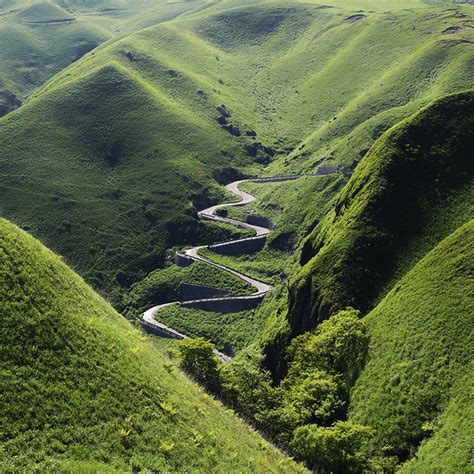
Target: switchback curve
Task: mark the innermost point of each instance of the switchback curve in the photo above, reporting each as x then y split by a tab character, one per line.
261	289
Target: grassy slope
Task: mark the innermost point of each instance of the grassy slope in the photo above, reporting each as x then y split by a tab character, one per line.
33	51
40	38
412	190
416	380
284	70
164	286
82	390
113	187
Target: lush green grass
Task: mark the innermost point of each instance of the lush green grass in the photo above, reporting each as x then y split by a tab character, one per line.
419	371
83	391
41	38
108	179
229	332
412	190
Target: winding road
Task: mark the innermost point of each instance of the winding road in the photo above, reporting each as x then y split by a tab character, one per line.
148	320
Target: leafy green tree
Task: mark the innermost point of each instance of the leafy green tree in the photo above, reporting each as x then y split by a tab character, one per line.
199	360
337	346
313	397
336	449
247	386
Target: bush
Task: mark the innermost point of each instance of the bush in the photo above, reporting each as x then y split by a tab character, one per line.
198	359
337	346
313	398
337	449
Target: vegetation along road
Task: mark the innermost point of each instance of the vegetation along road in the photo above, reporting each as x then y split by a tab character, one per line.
149	321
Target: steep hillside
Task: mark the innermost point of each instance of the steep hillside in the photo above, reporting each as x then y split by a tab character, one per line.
81	390
112	178
109	158
416	382
351	393
413	189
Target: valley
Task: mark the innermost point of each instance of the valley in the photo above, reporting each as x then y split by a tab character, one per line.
236	236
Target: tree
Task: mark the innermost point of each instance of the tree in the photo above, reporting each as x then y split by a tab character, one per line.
336	449
337	346
198	359
312	397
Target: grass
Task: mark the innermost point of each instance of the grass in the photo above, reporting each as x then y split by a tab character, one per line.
411	191
164	286
113	181
41	38
229	332
414	386
398	244
83	391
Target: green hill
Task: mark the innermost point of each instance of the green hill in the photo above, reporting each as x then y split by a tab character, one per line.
83	391
415	385
44	12
37	42
41	38
311	83
411	190
396	245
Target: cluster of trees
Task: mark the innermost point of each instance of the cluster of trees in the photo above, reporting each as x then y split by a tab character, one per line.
306	411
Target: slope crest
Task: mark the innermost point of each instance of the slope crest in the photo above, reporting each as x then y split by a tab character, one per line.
44	12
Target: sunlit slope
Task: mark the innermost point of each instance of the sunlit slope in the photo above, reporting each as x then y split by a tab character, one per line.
40	38
411	190
107	168
108	159
83	391
325	80
37	42
415	385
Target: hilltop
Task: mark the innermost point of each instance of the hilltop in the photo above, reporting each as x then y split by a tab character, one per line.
41	38
202	99
82	390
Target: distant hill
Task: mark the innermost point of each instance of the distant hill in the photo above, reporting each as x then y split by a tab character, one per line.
41	38
83	391
132	137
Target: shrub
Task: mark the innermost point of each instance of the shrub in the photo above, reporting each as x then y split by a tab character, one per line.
313	398
337	346
336	449
198	359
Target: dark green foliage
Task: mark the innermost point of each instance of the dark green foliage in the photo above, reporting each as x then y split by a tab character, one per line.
198	360
337	346
322	367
